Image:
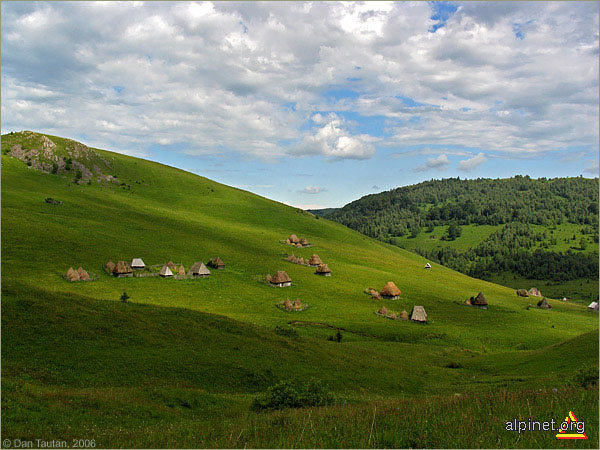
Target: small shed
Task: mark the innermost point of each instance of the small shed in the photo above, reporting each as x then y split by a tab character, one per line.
165	271
122	269
314	261
198	269
137	263
593	306
390	291
281	279
323	270
216	263
427	266
418	314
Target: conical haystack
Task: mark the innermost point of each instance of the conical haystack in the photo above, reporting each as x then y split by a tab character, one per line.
171	265
110	266
181	270
72	275
315	260
383	311
304	242
83	275
297	303
390	290
403	315
122	269
294	239
287	304
281	279
323	270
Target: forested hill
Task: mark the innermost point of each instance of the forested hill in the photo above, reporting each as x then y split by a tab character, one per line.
542	229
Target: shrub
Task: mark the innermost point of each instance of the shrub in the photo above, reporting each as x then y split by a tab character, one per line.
287	395
585	377
124	297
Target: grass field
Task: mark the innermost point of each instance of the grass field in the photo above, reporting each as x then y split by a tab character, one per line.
180	363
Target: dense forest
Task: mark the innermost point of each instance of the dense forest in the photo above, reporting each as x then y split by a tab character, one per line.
517	206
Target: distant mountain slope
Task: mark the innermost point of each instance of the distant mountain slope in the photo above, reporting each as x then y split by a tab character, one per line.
517	228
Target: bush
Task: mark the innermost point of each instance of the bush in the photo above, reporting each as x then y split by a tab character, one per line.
287	395
585	377
454	365
124	297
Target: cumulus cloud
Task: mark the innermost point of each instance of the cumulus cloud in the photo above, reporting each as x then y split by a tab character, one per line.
519	78
439	163
313	190
469	165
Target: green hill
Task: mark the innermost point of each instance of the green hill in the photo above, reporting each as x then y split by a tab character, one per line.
519	231
179	364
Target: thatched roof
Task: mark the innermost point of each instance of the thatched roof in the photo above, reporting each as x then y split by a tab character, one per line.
198	268
418	314
522	293
72	275
281	277
110	265
122	267
543	303
404	315
294	239
480	300
427	266
315	260
165	271
323	268
304	241
390	290
83	275
535	291
181	270
137	262
216	262
383	310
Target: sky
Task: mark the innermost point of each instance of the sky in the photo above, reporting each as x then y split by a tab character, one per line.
313	104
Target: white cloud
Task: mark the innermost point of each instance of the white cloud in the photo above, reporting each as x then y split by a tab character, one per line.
592	167
313	190
469	165
439	163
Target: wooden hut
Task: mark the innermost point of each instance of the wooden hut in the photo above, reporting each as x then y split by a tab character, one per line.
427	266
216	263
122	269
390	291
165	271
137	263
281	279
323	270
418	314
198	269
314	261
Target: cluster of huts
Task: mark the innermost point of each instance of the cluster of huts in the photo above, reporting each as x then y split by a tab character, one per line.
313	261
298	242
124	269
77	275
296	305
417	314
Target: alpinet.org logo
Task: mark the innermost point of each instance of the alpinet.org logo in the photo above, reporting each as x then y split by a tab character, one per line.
567	425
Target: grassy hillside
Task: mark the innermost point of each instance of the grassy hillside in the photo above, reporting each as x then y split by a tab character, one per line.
518	231
183	350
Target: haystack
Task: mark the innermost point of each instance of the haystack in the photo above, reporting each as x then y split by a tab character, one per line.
216	263
535	291
291	258
83	275
122	269
181	270
72	275
323	270
287	241
543	303
268	278
171	265
403	315
294	239
297	303
390	291
418	314
137	263
300	260
479	302
110	266
287	304
522	293
383	311
427	266
166	271
281	279
375	295
393	316
298	244
198	269
314	260
304	242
